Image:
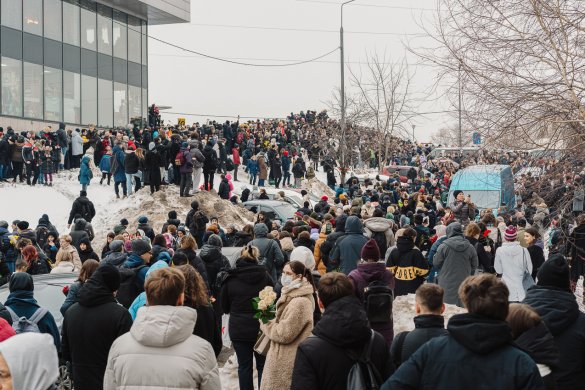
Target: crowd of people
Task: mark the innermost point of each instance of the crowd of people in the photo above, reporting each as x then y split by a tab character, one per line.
146	309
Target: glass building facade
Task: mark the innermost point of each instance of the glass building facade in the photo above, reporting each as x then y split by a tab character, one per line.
72	61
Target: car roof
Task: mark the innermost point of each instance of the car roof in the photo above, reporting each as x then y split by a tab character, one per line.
266	202
64	279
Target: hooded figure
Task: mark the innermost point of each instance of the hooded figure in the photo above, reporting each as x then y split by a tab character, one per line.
347	251
22	303
32	360
214	261
271	255
455	260
92	325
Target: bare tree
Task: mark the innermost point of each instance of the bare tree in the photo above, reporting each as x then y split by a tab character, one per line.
383	93
521	67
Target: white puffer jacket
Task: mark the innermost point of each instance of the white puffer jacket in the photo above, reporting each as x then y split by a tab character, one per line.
161	352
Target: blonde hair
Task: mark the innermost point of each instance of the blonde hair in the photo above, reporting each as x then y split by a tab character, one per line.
250	252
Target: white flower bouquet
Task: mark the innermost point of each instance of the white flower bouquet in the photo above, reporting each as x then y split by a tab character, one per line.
265	305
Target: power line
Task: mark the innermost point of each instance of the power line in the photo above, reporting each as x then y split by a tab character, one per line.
231	61
290	60
304	29
367	5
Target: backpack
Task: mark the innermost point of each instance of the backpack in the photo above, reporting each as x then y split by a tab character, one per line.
378	299
363	375
179	159
130	285
27	325
42	234
86	212
380	238
199	221
229	165
114	164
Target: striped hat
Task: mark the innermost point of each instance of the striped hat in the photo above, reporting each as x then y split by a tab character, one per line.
511	233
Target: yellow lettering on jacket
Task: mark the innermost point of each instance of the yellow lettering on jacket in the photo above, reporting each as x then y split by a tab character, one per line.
408	273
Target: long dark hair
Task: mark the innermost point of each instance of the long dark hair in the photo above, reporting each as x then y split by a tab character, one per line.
299	269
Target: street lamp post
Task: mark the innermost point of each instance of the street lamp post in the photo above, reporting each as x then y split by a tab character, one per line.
460	119
413	138
342	143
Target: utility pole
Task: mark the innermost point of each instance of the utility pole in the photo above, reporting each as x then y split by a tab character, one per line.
460	120
343	125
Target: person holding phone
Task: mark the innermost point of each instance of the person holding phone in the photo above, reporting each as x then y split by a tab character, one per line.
462	207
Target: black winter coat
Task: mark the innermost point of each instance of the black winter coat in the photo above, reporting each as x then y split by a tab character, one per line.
210	163
89	329
536	257
539	344
242	285
131	163
214	262
477	353
426	327
77	209
408	266
560	313
152	163
322	362
224	189
242	239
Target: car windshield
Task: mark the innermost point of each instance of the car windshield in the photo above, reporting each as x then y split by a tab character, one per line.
285	210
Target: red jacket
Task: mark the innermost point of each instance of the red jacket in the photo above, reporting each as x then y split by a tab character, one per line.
236	156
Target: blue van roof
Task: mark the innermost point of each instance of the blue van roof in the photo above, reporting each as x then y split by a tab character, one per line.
479	177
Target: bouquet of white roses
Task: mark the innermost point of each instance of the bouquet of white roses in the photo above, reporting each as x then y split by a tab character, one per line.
265	305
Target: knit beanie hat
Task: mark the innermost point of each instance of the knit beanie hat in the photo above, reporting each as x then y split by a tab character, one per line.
140	247
215	240
119	229
511	233
554	273
151	146
304	255
116	245
142	219
370	251
109	275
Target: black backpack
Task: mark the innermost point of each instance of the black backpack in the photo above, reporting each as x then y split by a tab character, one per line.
199	221
229	165
130	285
363	375
86	212
42	234
378	299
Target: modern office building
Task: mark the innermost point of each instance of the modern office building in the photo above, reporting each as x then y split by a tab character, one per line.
78	61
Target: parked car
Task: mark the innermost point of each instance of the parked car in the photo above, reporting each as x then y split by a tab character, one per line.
274	209
49	294
232	253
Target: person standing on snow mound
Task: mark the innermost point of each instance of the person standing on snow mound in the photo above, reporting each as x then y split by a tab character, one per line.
479	340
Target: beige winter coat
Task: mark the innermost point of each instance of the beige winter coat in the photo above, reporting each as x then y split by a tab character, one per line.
161	352
262	168
293	324
68	254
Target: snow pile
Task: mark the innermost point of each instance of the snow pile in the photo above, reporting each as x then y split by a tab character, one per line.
317	187
157	206
403	312
228	374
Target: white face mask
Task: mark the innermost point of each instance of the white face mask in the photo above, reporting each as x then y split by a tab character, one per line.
286	280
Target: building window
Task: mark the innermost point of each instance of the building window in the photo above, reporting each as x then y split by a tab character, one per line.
72	97
32	50
53	24
32	16
104	28
120	104
71	24
11	87
33	91
134	39
88	100
134	102
105	103
120	35
11	13
53	94
88	29
54	53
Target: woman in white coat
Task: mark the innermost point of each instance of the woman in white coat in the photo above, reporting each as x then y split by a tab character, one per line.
513	262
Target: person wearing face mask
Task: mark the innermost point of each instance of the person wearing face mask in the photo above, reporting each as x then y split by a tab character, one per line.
292	325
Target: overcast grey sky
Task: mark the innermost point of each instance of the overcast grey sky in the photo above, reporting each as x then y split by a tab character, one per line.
195	85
